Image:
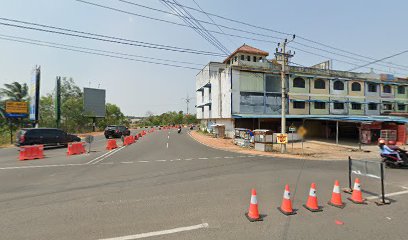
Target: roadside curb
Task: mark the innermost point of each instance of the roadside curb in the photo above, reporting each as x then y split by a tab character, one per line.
226	150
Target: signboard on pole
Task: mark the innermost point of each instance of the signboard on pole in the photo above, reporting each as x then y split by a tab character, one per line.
34	92
16	107
94	102
282	138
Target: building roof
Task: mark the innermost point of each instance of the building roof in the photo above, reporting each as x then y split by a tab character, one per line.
247	49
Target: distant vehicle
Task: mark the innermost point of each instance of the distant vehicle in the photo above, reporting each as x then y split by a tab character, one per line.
116	131
44	136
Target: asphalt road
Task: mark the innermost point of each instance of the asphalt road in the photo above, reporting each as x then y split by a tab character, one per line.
168	186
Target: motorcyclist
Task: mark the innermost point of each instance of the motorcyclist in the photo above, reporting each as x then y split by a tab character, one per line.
387	151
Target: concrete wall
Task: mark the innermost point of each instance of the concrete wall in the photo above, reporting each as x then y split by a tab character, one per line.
356	112
338	92
319	91
319	111
298	111
356	93
343	111
298	90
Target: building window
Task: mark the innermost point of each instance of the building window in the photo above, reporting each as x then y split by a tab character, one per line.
401	89
401	107
372	87
299	83
320	105
386	89
299	105
248	58
372	106
356	106
387	106
254	58
338	85
356	87
319	84
338	105
209	94
242	57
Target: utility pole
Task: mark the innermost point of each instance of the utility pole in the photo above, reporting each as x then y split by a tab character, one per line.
187	99
283	56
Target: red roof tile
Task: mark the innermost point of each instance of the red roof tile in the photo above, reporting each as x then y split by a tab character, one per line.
247	49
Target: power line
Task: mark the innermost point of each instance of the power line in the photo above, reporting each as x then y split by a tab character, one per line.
74	49
401	67
102	38
99	50
212	20
394	55
284	33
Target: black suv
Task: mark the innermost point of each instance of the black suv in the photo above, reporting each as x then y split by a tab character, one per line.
116	131
44	136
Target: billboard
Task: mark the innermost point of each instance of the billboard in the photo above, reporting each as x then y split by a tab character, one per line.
94	102
34	92
16	107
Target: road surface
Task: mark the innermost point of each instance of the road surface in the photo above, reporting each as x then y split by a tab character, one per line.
168	186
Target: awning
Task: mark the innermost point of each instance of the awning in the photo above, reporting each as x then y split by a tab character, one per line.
345	118
200	89
207	85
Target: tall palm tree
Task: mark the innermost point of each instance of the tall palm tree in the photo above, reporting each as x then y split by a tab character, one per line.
12	92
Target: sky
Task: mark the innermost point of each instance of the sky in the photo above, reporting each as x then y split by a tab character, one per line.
374	29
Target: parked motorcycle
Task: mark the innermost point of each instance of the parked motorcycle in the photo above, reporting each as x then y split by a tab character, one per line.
179	130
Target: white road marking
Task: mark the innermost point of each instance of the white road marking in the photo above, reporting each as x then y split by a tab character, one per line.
44	166
161	160
168	137
404	187
107	163
217	157
167	145
99	157
126	162
228	157
202	158
159	233
106	156
188	159
178	159
144	161
389	194
251	156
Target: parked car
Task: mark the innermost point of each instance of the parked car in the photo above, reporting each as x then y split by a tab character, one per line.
115	131
44	136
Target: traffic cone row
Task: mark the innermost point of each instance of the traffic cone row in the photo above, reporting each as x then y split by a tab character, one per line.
311	203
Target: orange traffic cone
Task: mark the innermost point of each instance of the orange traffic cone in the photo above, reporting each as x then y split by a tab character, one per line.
253	213
357	196
286	207
336	196
312	204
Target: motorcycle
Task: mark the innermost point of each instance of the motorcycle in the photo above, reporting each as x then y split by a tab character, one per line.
179	130
393	162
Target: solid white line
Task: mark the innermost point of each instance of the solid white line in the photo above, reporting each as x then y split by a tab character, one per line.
389	195
108	155
158	233
44	166
99	157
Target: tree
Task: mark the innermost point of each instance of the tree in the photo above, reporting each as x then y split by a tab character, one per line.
47	114
69	89
114	116
12	92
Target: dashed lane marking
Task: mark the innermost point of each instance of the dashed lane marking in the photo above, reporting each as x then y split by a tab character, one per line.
202	158
126	162
228	157
161	160
144	161
159	233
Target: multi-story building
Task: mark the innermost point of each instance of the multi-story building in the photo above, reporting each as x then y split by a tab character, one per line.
245	91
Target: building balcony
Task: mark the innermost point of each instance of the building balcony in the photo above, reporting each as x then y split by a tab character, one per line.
251	64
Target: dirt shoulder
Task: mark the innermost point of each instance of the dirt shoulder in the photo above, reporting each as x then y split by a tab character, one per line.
311	150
